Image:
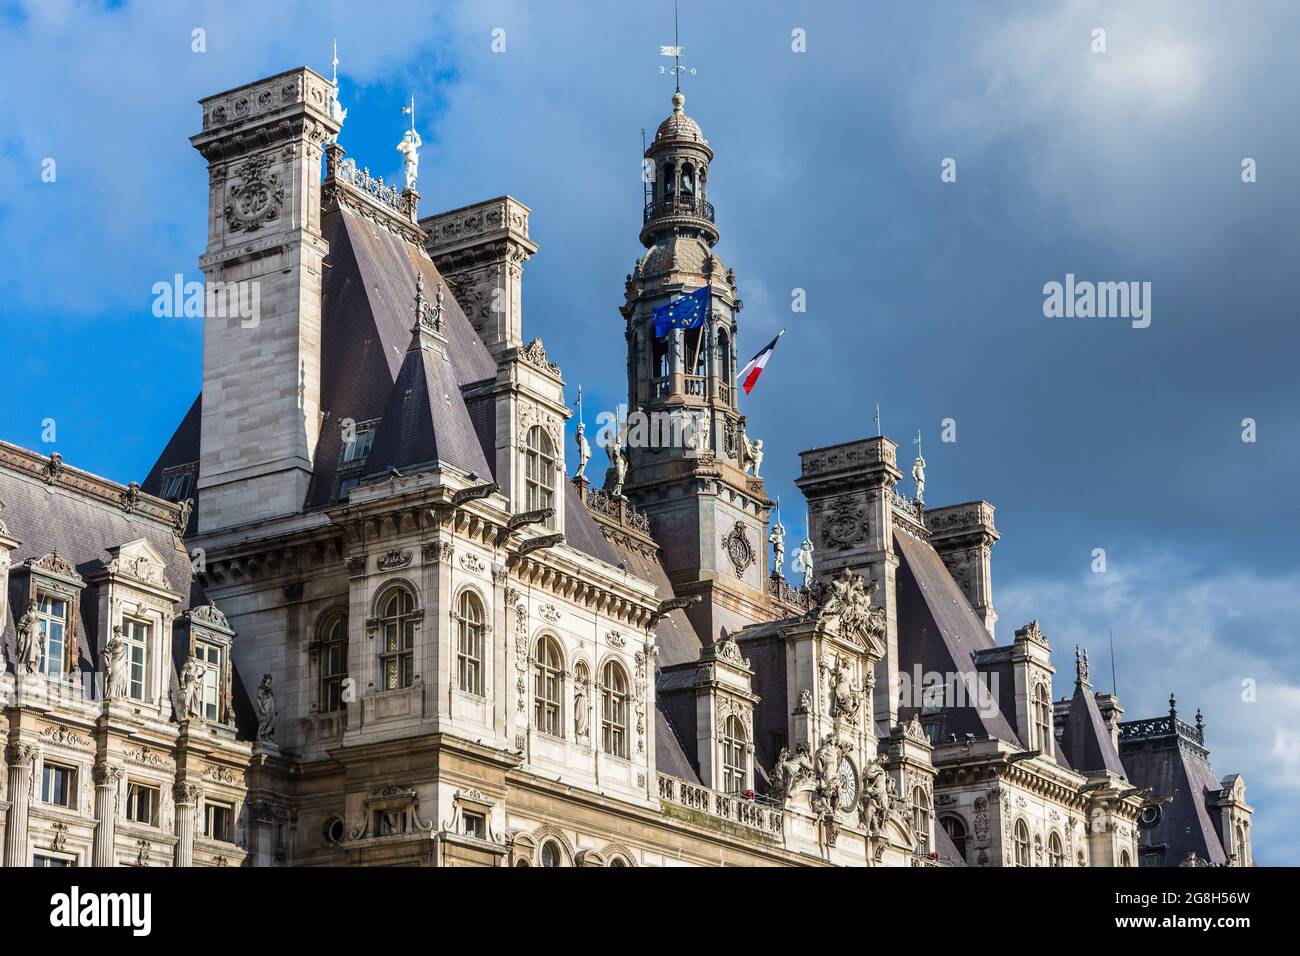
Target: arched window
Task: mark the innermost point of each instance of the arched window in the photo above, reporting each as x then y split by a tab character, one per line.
551	854
669	176
1055	853
1043	718
539	472
725	371
548	688
397	618
734	755
1124	859
688	181
955	827
1022	843
618	861
613	716
921	815
469	656
333	637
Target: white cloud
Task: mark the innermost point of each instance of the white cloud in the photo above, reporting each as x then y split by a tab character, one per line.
1200	634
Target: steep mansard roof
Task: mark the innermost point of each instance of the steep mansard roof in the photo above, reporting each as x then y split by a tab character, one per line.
1173	765
1085	740
71	515
938	632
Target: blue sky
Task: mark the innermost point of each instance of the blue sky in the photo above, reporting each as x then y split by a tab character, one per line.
923	296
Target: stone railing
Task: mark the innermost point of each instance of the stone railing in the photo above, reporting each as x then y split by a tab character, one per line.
911	512
1161	727
731	807
781	590
618	509
386	194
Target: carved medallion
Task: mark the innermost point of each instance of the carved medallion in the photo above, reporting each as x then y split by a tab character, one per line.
739	550
845	523
257	199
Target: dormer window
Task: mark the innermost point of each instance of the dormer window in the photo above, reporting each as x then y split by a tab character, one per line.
1043	718
539	472
359	447
52	618
176	487
209	660
136	636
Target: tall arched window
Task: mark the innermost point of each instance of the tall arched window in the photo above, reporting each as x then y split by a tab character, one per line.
955	827
734	755
921	816
469	655
1055	852
397	618
613	710
539	472
333	659
548	688
1043	718
1124	858
551	854
688	181
1022	843
725	371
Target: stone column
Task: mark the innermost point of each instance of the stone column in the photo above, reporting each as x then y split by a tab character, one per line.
20	758
107	779
186	796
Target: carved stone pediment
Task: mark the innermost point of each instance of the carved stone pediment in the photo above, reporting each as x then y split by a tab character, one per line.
208	615
139	560
55	565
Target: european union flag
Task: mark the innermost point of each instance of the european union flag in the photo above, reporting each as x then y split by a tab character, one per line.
687	312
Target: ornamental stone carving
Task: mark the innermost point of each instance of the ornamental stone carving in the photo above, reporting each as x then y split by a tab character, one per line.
845	609
472	563
844	524
258	199
392	560
739	550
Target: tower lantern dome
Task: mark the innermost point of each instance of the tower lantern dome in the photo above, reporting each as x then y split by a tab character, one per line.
679	160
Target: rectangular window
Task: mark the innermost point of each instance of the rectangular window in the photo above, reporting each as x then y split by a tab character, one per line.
176	487
390	822
217	818
334	669
136	634
359	447
142	804
209	658
41	860
475	825
58	785
52	613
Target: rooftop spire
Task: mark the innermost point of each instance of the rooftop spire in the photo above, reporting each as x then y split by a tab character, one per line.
337	112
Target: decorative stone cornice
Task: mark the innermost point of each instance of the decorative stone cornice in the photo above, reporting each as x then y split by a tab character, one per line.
52	471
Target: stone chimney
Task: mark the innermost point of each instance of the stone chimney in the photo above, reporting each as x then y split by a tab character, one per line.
261	331
481	251
964	536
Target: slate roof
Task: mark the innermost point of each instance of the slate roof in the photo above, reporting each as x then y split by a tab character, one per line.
1085	741
48	517
1174	766
938	631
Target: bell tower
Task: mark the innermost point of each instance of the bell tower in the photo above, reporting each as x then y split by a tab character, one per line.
689	466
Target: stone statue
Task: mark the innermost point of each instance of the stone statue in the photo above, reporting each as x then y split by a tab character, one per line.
191	696
918	476
584	451
777	538
30	645
873	807
803	562
114	664
409	147
845	698
580	707
265	709
617	462
847	609
703	426
792	774
752	454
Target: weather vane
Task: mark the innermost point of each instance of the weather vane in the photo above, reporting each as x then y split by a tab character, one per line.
675	51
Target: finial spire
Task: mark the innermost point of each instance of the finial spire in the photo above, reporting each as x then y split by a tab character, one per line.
337	112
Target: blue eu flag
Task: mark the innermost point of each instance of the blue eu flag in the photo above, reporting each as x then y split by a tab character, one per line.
686	312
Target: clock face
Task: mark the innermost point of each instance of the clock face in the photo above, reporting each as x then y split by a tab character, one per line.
849	784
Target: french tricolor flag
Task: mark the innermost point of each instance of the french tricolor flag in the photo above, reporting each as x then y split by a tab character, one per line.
749	374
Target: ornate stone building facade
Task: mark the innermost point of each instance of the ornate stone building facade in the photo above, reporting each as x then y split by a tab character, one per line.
359	613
